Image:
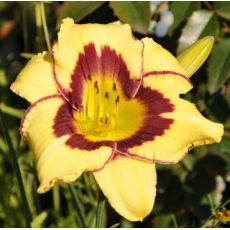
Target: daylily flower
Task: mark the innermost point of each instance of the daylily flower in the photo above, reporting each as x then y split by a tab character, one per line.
108	103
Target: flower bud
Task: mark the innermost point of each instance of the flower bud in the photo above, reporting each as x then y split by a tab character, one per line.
195	55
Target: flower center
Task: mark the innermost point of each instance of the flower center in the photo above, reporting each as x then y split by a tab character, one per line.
106	114
99	112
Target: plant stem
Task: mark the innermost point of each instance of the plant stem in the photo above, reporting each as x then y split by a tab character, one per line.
80	212
25	27
56	198
27	55
174	221
25	205
225	203
213	210
11	111
38	26
100	210
44	24
210	201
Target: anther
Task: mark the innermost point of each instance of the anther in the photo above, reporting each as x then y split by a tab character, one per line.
106	95
89	77
96	87
114	87
117	99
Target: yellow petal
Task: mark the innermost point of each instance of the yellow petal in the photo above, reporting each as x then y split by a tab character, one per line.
129	186
56	161
72	39
195	55
156	58
189	129
169	85
36	79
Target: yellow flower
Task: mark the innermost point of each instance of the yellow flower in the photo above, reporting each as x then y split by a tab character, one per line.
108	103
223	216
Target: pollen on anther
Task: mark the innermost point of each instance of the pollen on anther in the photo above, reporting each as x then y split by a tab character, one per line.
96	87
106	95
114	87
117	99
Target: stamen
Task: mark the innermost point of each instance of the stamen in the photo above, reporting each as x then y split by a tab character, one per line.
116	110
114	87
106	107
96	87
106	120
100	109
87	100
117	99
96	103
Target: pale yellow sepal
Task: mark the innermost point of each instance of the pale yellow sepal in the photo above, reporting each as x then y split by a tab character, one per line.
194	56
73	38
36	79
55	160
188	130
129	185
156	58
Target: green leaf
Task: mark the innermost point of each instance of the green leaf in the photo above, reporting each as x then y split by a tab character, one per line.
11	111
163	221
201	23
126	223
77	202
78	10
219	107
219	66
4	6
39	220
212	28
137	14
3	78
222	9
100	210
182	10
11	150
223	146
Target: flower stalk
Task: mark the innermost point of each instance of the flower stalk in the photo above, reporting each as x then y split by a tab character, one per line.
44	24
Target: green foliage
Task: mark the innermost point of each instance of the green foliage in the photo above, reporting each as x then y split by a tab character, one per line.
182	15
137	14
39	220
191	193
199	22
78	10
219	66
222	9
